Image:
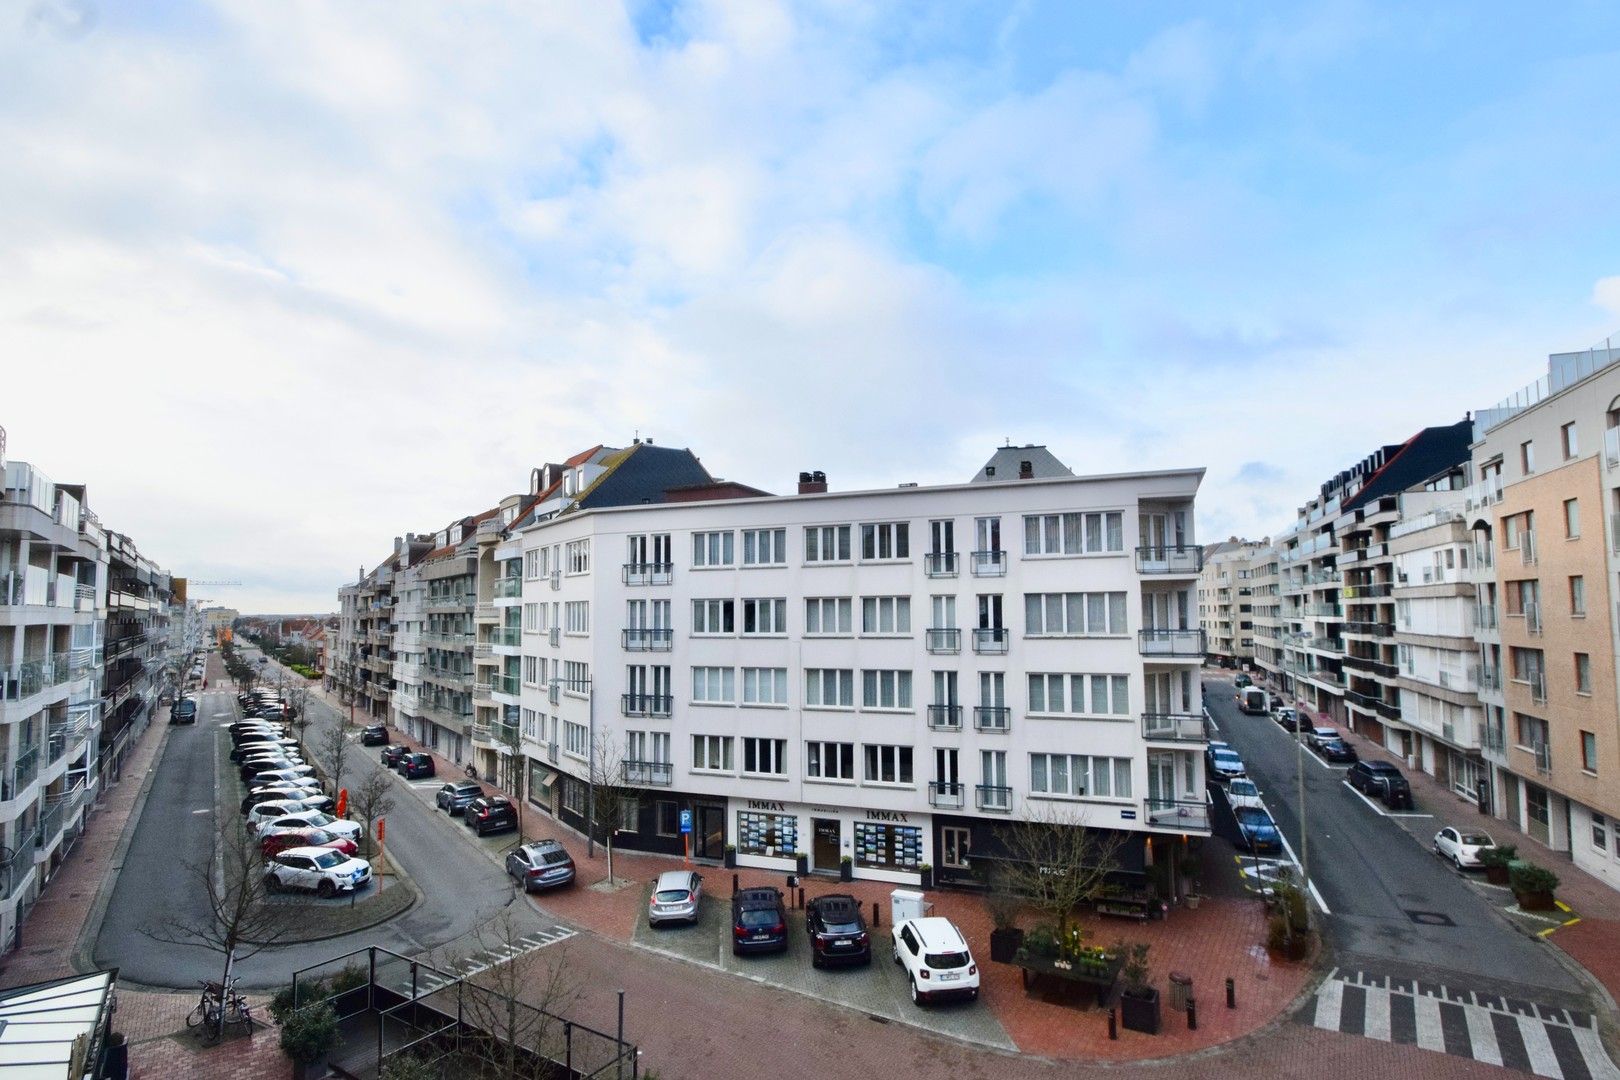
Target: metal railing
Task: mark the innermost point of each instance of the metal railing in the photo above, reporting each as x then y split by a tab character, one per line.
1174	727
991	640
1542	752
451	600
1490	678
944	640
945	717
554	636
1532	618
648	573
1376	589
1538	687
502	684
646	704
940	564
650	773
643	639
1485	616
1493	740
1165	641
992	718
1183	815
993	797
945	796
507	588
989	563
1527	549
1169	559
556	579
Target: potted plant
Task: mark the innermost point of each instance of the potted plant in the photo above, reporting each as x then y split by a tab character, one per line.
1533	886
1005	937
846	868
731	856
1497	861
307	1036
1139	1001
927	872
801	862
1041	943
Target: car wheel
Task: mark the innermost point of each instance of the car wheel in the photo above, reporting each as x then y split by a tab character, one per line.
916	996
272	883
1456	860
1438	852
896	956
326	890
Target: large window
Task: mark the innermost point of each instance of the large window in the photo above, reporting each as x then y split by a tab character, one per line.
1074	614
765	686
714	616
886	689
887	764
767	834
825	615
577	616
576	739
885	614
714	685
711	753
881	846
764	547
1073	533
579	556
1080	775
829	688
576	677
826	543
768	756
1097	695
829	760
765	615
713	548
886	540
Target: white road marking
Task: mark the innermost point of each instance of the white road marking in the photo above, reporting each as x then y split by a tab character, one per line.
1539	1048
1597	1058
1426	1012
1370	804
1375	1020
1330	1004
1309	884
1482	1036
204	810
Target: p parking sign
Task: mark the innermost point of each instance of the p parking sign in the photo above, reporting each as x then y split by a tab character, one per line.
686	821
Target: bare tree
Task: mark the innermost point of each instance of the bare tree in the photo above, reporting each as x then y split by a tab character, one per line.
517	1006
1057	861
332	752
297	699
371	799
237	924
611	796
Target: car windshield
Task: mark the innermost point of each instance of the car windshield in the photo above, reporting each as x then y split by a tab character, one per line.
945	960
843	925
318	819
1242	787
1250	815
329	859
317	837
758	917
1478	839
671	896
1226	756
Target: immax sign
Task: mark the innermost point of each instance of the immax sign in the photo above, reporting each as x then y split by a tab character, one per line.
871	815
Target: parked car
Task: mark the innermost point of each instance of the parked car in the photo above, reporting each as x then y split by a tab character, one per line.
1381	780
246	748
267	781
675	897
1336	751
322	870
1241	791
1242	680
292	772
758	921
269	811
311	819
1287	718
253	766
375	735
1258	831
269	845
1462	846
1225	764
453	798
490	813
392	753
837	931
183	711
306	798
1314	735
416	766
543	864
936	959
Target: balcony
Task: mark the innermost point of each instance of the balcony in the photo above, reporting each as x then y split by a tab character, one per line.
1485	614
1184	560
1164	641
643	573
451	600
1493	740
1174	727
505	734
989	564
946	796
1490	678
646	704
1527	549
1538	687
990	797
24	772
1324	611
455	640
944	640
556	580
639	639
554	636
508	588
991	640
647	773
940	564
992	718
1532	619
945	717
1369	629
1181	815
1374	591
502	684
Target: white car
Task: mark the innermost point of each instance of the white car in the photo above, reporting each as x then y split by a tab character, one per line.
936	959
306	784
301	802
305	820
293	773
316	869
1462	846
1241	791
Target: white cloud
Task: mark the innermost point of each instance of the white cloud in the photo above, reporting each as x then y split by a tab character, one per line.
1606	294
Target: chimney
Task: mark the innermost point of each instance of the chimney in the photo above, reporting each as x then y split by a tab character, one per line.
1026	470
812	483
399	542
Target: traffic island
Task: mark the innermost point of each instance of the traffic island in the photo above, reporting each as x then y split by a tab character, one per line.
301	918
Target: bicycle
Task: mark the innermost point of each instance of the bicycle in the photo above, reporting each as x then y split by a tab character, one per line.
209	1007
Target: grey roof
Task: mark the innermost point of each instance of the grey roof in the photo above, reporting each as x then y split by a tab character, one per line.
643	475
1007	461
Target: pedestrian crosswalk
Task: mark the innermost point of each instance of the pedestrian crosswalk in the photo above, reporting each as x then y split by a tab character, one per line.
1498	1030
427	980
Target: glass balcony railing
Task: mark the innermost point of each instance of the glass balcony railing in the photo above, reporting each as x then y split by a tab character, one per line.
1182	815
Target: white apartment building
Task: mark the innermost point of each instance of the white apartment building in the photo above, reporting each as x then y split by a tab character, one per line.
1226	602
880	675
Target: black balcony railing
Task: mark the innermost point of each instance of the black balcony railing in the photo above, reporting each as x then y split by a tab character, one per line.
940	564
649	773
989	563
646	704
644	640
992	717
1174	727
991	797
649	573
991	639
944	641
1163	641
1169	559
945	717
946	796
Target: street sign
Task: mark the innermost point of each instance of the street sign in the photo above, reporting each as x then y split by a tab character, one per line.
686	821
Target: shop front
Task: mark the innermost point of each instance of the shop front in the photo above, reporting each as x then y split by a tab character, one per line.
968	849
882	845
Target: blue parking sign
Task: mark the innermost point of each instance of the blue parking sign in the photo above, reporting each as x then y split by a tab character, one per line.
686	821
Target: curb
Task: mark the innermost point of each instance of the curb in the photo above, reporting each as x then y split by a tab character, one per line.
404	882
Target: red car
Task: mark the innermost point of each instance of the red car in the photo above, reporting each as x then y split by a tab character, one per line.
276	842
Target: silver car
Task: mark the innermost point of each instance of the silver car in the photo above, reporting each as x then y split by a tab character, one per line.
675	897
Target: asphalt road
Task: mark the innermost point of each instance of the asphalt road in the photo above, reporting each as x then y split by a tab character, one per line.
1373	876
461	889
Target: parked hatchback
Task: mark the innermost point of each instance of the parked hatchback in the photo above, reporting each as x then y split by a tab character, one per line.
391	754
543	864
1462	846
375	735
1259	832
453	798
1336	751
675	897
490	813
321	869
936	960
416	766
758	921
837	931
1225	764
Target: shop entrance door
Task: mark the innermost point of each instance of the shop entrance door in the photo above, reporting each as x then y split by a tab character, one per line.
828	833
711	832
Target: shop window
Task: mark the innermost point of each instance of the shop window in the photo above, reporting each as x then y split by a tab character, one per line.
770	835
879	846
669	818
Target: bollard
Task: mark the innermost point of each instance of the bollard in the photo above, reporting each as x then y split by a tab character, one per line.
877	915
1192	1014
1231	993
1113	1024
734	884
801	897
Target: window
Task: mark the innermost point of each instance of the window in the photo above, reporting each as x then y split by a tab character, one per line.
531	724
765	686
668	816
827	615
885	614
1600	833
1527	457
770	835
714	685
577	614
1589	751
713	548
1571	444
531	670
1073	614
826	543
650	746
886	689
887	540
829	760
531	563
531	618
714	617
573	793
1577	595
630	814
1060	693
1572	518
829	687
1583	673
576	739
1073	533
1080	775
711	753
765	756
579	556
764	547
887	764
765	616
576	676
1531	731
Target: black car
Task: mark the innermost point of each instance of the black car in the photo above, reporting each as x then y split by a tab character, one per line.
543	864
392	754
1336	751
1382	781
490	813
837	931
758	921
416	766
375	735
183	711
453	798
248	747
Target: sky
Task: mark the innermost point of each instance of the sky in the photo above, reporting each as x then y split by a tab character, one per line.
280	282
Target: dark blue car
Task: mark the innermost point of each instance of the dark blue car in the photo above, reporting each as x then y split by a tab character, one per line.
1259	832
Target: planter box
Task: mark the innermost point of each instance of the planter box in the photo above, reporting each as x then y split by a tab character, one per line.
1140	1013
846	872
1537	901
731	860
1496	875
1004	944
1036	968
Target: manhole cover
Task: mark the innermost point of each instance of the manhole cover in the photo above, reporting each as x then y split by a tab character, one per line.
1430	918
